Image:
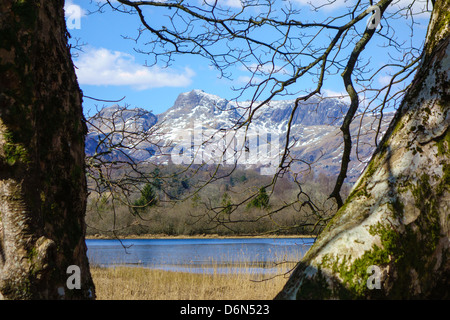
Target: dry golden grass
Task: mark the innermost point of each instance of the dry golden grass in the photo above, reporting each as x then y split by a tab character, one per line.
134	283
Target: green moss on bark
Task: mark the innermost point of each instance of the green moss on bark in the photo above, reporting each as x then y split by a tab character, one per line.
13	151
407	250
443	144
441	7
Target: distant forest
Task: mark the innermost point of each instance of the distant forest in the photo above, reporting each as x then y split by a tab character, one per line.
242	202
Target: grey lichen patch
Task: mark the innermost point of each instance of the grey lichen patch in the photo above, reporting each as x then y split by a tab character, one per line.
44	250
404	244
343	276
399	251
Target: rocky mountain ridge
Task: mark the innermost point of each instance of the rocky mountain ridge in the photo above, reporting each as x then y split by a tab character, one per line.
201	128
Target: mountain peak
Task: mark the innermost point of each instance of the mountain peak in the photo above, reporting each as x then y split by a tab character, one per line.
194	91
195	97
119	115
198	105
314	134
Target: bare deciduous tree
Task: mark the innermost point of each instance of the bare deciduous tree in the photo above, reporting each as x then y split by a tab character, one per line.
281	49
397	213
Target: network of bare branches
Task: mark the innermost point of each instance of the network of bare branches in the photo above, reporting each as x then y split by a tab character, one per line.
282	46
111	164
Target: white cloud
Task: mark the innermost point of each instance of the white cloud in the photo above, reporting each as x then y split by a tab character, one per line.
224	3
249	80
336	94
384	80
233	3
100	66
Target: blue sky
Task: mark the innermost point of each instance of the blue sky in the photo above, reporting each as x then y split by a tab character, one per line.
109	67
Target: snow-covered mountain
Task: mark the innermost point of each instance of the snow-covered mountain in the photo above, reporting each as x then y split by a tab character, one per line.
204	128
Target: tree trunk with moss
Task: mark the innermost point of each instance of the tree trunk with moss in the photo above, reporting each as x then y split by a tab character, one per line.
42	181
391	237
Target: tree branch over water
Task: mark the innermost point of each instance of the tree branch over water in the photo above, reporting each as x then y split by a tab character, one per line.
281	48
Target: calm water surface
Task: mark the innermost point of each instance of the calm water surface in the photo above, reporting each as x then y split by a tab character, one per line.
198	255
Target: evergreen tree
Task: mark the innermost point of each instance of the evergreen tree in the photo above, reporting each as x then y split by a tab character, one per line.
261	201
147	199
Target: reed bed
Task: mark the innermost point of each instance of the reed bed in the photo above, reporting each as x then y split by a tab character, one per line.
239	283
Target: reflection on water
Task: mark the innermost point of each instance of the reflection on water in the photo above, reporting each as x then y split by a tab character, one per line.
255	255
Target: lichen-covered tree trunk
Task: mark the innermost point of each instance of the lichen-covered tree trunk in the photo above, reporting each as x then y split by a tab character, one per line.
391	237
42	181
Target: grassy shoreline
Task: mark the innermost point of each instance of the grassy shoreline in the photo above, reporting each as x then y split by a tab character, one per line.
138	283
203	236
141	283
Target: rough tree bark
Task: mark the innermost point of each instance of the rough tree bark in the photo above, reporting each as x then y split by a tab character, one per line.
42	181
391	237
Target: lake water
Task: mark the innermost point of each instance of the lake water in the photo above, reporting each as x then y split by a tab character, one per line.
256	255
